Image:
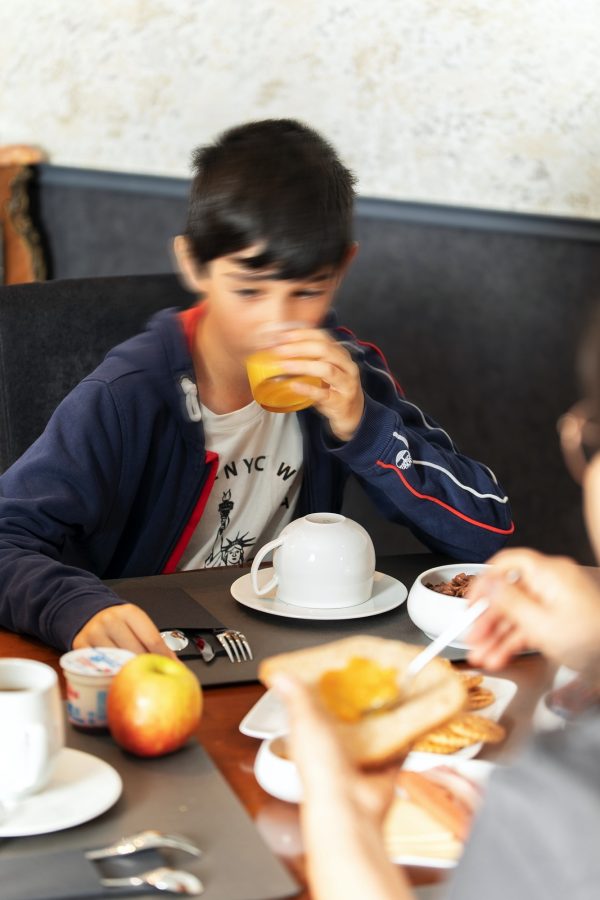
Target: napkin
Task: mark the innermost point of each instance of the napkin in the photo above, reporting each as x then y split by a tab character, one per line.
172	607
68	874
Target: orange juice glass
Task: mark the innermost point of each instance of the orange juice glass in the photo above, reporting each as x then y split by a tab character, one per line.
271	386
269	383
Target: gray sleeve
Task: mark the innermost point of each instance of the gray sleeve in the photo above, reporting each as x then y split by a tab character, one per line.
538	833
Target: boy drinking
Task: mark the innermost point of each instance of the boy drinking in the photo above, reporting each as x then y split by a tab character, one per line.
161	459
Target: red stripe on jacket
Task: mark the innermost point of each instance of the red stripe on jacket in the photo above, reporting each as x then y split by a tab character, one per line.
455	512
379	353
212	460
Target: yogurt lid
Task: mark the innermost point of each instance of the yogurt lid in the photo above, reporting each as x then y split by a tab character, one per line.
95	661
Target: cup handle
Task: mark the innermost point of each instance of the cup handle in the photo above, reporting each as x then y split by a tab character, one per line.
261	591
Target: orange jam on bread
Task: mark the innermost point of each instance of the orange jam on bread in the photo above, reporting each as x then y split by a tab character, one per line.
362	684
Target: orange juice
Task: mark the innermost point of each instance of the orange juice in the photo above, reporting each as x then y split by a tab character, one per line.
271	387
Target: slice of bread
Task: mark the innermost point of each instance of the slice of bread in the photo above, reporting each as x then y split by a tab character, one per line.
434	696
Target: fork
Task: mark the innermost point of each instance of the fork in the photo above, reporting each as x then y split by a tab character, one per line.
235	644
174	881
144	840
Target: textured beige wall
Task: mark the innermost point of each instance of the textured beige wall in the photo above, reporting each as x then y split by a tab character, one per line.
491	103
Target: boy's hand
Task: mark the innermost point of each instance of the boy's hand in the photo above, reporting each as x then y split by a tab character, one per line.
340	399
537	602
125	626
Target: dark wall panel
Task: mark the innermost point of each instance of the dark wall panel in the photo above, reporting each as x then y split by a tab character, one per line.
481	330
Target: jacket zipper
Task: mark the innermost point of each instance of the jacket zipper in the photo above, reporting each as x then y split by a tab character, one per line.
192	403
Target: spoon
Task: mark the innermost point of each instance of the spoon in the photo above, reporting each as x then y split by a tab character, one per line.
144	840
175	640
174	881
459	624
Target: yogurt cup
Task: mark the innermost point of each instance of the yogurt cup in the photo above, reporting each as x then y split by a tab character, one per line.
88	673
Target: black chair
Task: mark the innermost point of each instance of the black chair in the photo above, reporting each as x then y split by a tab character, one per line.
54	333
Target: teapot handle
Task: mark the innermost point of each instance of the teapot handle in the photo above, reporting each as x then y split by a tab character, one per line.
261	591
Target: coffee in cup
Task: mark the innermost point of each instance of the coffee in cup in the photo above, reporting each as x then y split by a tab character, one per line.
321	560
270	385
32	732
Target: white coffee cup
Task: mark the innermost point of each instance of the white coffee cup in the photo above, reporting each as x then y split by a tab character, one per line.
321	560
32	731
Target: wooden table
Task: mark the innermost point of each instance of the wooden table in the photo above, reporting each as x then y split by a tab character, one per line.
234	753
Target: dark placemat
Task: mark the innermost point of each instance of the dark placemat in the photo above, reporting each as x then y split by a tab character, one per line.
167	605
68	875
269	634
171	607
182	793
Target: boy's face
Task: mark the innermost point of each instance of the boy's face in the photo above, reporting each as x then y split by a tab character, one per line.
242	302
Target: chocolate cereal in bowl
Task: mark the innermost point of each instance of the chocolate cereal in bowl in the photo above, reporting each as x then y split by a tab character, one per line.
437	597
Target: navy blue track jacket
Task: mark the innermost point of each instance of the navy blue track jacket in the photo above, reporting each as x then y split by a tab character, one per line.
117	481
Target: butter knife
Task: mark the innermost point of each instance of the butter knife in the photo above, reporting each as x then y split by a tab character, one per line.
177	640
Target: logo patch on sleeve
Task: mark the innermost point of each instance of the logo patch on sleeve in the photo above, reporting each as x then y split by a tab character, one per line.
403	457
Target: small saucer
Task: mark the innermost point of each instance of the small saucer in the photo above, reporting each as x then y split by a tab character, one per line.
388	593
81	788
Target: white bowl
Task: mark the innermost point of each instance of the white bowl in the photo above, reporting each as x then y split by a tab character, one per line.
433	612
276	774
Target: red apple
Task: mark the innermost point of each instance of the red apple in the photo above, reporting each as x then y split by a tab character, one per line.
154	705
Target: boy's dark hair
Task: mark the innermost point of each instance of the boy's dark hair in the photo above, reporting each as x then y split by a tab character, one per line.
278	183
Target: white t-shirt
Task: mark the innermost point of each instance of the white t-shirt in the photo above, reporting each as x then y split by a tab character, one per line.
256	489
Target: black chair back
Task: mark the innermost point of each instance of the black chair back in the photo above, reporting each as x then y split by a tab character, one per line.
55	333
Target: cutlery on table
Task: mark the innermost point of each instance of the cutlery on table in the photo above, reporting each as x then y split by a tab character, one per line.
458	625
177	641
173	881
234	643
144	840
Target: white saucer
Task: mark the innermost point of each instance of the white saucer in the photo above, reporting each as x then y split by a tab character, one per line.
388	593
81	788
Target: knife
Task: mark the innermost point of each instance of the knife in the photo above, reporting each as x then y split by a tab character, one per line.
206	651
179	641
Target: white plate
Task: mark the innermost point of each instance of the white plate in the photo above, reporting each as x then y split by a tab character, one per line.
388	593
81	788
268	718
477	770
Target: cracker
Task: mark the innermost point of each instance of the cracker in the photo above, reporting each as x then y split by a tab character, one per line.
425	745
479	698
445	737
478	728
471	679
